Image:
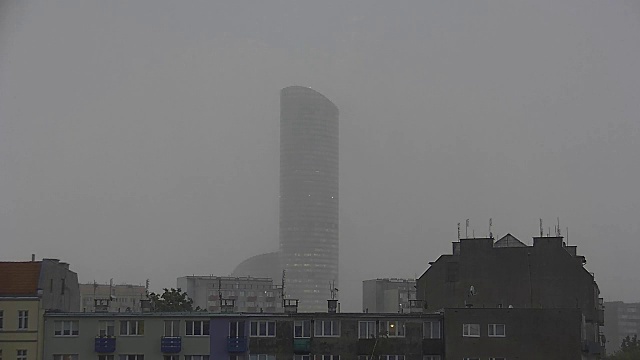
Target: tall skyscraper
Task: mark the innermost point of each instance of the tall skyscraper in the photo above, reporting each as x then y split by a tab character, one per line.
308	195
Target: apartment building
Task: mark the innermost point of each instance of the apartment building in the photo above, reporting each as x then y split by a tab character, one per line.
121	297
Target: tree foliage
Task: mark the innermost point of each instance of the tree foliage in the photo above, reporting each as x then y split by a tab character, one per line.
629	349
171	300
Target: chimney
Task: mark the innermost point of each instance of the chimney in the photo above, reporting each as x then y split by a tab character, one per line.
33	257
332	306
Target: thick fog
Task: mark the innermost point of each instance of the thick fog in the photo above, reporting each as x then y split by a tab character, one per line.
140	139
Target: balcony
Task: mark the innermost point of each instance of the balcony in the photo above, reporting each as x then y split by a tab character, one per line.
171	344
301	346
104	345
591	347
236	344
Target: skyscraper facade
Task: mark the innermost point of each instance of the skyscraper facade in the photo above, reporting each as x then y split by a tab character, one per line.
308	196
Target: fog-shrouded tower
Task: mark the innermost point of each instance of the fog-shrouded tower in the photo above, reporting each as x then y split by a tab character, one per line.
308	196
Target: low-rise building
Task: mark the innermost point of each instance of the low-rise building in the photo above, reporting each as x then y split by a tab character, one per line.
122	297
27	290
249	294
387	295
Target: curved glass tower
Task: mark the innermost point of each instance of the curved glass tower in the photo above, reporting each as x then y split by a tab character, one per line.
308	195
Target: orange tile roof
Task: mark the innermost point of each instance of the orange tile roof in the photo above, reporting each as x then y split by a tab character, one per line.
19	278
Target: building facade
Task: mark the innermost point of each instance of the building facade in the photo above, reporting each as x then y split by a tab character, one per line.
550	334
122	297
308	195
623	319
387	295
252	295
508	274
27	290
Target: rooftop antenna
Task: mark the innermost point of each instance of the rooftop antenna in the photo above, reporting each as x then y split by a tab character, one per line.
220	290
458	231
284	272
558	232
490	224
466	229
332	288
541	234
567	236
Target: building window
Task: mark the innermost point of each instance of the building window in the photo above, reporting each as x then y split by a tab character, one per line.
326	328
171	357
471	358
172	328
431	357
263	328
391	357
131	328
366	329
392	328
471	330
62	286
327	357
131	357
431	330
106	328
1	320
496	330
21	355
497	358
23	320
261	357
236	329
106	357
301	357
302	329
196	357
65	328
197	327
65	357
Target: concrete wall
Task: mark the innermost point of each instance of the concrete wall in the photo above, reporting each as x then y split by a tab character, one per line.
60	289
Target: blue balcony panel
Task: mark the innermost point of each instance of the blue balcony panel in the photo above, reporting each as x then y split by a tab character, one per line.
105	345
171	344
236	344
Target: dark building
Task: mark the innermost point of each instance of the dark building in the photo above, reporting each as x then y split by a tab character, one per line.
308	195
509	274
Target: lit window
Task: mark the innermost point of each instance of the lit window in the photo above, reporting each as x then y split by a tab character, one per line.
392	328
471	330
431	330
366	329
263	328
65	328
197	327
327	328
131	328
496	330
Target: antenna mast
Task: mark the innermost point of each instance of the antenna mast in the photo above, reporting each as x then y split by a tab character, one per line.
458	231
541	231
490	224
466	229
282	287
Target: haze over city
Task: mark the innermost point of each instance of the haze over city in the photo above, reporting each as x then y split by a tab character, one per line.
140	140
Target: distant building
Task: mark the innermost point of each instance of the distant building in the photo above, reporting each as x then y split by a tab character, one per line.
525	334
123	297
623	319
507	273
27	290
251	295
387	295
263	266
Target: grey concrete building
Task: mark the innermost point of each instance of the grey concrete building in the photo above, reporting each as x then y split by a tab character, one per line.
122	297
623	319
547	275
387	295
250	295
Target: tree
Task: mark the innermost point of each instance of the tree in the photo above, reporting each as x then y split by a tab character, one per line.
629	349
173	300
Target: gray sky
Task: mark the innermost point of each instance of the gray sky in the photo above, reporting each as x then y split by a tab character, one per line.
139	139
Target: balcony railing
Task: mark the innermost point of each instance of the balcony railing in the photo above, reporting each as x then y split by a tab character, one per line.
105	345
301	346
236	344
171	344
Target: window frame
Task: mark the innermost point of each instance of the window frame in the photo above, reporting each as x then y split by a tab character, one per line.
131	357
106	357
370	333
466	330
398	325
431	329
269	328
305	326
392	357
21	354
174	328
334	330
190	327
23	319
65	357
196	357
139	329
262	357
431	357
492	330
103	328
74	329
